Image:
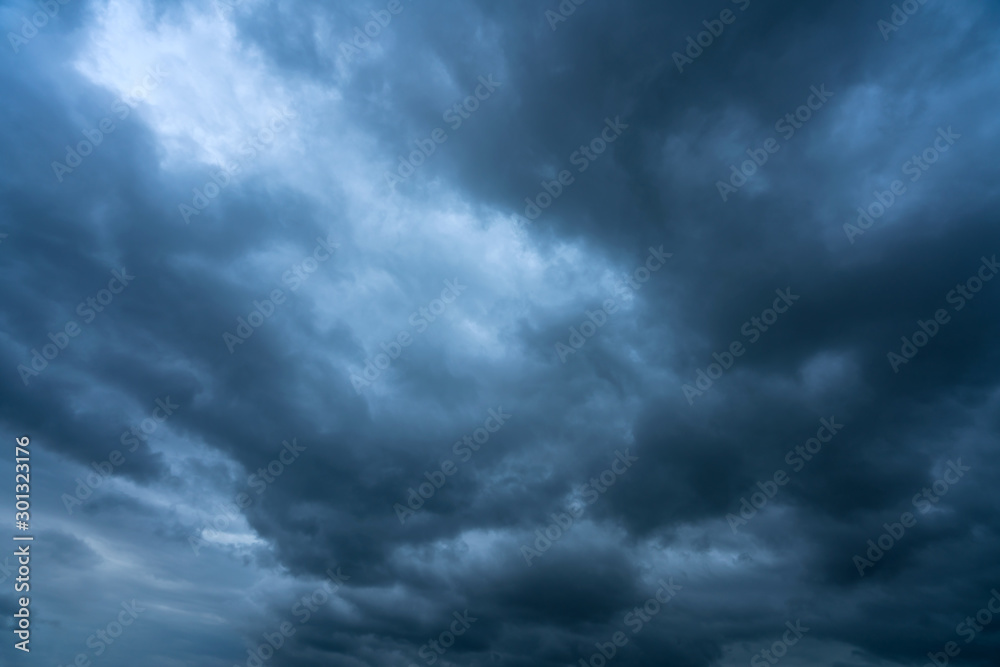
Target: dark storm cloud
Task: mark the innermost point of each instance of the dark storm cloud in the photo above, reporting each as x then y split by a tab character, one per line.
362	105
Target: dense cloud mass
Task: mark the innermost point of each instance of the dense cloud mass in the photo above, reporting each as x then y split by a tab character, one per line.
572	332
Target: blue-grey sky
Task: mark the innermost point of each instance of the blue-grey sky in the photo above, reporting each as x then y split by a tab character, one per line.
518	334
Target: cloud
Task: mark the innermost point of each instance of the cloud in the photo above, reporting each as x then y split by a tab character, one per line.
220	549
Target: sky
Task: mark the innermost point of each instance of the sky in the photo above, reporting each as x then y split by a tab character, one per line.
508	334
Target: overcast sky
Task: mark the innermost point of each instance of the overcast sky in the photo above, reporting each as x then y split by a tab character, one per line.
503	333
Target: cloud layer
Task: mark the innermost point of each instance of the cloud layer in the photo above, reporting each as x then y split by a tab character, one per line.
504	334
